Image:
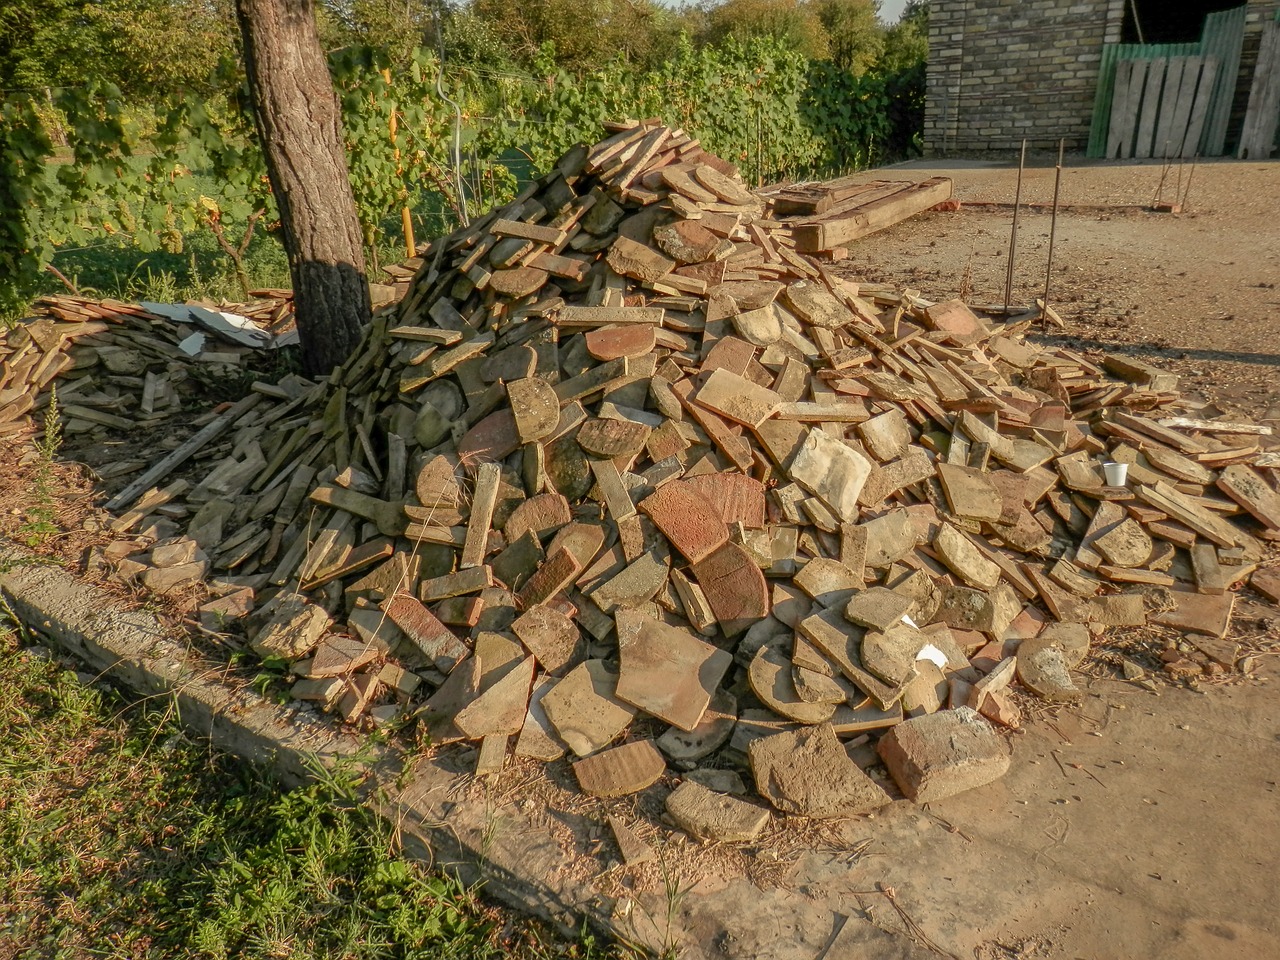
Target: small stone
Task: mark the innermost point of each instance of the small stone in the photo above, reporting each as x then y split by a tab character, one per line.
1125	545
584	708
550	636
433	639
942	754
831	471
501	708
964	559
1044	672
891	654
691	523
878	608
535	408
735	588
670	673
817	306
827	581
807	772
620	771
771	681
294	628
687	241
168	579
707	815
711	733
634	850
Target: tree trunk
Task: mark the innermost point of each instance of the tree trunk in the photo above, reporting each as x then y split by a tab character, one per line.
299	124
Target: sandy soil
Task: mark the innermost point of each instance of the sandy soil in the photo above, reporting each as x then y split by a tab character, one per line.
1137	824
1197	292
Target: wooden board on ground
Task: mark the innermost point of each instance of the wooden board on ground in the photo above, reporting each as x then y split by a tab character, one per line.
866	212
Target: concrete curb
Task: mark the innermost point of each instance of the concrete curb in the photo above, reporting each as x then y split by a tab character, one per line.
519	862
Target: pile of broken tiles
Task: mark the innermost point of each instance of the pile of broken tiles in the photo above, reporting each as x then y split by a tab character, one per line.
621	454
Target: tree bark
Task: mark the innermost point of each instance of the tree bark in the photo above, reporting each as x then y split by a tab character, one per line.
298	120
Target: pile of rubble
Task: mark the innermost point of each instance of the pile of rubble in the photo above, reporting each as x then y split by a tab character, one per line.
622	453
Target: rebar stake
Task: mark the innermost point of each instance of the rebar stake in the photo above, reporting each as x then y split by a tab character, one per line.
1013	233
1053	234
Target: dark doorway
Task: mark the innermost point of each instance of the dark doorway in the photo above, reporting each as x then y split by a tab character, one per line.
1169	21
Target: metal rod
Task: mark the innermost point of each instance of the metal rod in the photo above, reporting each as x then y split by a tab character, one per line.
1013	233
1053	233
1164	173
1183	203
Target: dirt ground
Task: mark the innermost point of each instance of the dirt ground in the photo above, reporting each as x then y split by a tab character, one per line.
1140	823
1196	292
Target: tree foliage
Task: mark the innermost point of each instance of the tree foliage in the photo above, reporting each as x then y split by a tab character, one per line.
149	99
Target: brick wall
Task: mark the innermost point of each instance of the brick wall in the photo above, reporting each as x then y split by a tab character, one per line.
1002	70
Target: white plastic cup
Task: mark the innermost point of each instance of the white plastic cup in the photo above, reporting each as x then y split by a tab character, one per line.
1117	473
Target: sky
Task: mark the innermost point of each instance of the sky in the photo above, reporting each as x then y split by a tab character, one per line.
891	10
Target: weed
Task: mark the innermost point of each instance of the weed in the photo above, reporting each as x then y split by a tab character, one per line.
40	521
121	837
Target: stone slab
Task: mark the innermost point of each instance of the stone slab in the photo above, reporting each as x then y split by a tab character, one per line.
937	756
669	673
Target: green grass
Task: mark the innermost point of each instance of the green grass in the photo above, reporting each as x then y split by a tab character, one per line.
121	837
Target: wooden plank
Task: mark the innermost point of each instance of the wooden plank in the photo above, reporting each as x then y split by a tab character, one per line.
1142	148
1104	101
876	190
1118	134
866	220
206	435
1200	108
1223	40
1129	120
1164	145
1263	115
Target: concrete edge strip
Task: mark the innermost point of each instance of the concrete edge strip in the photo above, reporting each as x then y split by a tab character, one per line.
437	816
134	648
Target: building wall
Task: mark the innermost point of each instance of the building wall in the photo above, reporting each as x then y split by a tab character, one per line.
1260	11
1002	70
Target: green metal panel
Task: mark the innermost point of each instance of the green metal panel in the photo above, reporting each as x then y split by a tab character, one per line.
1223	38
1113	53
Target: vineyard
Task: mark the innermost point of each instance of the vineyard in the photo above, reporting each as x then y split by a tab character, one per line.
86	167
